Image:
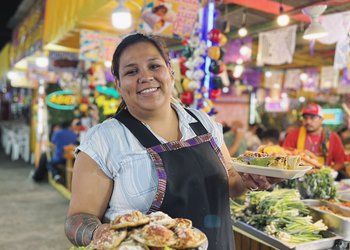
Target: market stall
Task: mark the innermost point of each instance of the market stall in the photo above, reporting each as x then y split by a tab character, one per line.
310	211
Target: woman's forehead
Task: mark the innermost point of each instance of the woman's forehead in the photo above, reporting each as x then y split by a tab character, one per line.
139	51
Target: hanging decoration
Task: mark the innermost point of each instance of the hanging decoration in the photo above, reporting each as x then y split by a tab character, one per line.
277	47
202	67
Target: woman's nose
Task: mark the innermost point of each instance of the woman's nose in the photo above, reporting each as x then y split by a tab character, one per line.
146	77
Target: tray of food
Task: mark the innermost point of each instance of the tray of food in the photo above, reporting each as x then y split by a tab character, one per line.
335	216
327	242
156	230
279	166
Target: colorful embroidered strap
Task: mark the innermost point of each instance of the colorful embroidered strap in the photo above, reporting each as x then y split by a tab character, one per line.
175	145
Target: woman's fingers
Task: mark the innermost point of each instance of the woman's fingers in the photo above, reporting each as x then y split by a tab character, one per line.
258	182
249	182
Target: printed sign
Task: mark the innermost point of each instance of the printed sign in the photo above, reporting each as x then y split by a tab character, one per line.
63	61
62	99
171	18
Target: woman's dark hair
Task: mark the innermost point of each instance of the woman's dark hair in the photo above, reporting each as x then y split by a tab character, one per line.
132	40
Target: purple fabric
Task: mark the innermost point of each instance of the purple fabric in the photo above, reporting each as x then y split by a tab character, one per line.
252	77
232	50
346	77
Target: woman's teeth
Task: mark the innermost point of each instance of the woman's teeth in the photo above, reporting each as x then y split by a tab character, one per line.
148	90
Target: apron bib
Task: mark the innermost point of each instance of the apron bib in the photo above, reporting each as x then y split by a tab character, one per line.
192	180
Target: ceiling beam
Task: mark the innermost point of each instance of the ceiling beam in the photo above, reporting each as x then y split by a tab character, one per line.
268	6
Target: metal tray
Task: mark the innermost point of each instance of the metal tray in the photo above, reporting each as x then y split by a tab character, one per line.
344	196
326	243
336	223
338	208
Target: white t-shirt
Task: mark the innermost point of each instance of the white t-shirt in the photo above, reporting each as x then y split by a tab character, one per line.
122	158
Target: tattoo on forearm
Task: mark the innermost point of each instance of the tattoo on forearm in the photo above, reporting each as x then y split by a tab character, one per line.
80	228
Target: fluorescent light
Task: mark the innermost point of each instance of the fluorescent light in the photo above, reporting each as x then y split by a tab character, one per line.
315	31
121	18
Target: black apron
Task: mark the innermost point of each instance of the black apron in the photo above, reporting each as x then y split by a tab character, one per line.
192	180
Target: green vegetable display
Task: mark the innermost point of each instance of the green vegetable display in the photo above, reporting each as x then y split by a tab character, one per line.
319	185
279	213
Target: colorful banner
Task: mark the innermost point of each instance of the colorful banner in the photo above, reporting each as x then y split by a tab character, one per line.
97	46
171	18
27	37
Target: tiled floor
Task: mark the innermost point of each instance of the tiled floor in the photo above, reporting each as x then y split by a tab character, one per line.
31	215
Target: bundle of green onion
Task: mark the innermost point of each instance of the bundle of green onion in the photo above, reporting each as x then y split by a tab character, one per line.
281	214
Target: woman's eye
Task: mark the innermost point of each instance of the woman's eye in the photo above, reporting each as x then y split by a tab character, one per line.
155	66
131	72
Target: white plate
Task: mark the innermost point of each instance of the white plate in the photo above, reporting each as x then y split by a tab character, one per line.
269	171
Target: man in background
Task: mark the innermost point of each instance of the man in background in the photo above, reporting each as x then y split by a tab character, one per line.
61	138
312	136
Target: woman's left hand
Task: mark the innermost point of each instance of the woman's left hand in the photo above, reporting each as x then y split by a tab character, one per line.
256	182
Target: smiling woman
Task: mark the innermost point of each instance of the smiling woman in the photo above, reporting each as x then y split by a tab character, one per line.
154	155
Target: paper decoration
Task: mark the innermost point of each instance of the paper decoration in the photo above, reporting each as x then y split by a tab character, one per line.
329	77
292	79
275	80
337	26
97	46
344	86
342	54
311	83
170	18
277	47
232	49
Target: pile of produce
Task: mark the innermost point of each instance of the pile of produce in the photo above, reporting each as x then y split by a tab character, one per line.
316	185
279	213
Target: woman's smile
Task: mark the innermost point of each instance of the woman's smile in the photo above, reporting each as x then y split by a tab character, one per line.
148	91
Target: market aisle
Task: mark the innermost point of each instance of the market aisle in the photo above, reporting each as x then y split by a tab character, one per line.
31	215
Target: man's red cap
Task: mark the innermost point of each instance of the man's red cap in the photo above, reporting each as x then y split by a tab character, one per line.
312	109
